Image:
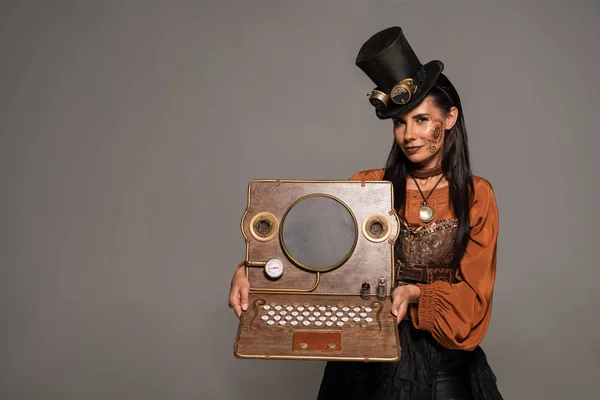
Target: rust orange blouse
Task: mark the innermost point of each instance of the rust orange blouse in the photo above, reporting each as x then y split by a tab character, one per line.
457	315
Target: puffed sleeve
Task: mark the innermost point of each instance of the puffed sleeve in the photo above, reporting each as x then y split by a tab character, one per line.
457	315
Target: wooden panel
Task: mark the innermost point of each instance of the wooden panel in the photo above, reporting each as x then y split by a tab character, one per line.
368	262
376	341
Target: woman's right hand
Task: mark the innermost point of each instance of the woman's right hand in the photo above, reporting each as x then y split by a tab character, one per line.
240	287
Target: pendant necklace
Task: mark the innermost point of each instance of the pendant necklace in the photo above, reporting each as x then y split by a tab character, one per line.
426	212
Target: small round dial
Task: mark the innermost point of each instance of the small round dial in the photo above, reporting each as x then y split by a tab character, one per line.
274	268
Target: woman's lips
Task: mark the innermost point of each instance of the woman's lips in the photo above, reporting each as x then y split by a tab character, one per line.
412	149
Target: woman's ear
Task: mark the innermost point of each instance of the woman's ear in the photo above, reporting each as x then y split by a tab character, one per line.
451	118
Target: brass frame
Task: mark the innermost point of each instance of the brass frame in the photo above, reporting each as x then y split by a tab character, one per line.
380	218
379	96
407	84
271	218
298	263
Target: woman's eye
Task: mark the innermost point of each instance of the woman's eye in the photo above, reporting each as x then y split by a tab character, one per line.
421	120
398	122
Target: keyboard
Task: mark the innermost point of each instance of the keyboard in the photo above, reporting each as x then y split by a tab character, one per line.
317	315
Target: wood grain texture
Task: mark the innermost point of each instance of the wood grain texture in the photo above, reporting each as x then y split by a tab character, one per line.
368	262
378	341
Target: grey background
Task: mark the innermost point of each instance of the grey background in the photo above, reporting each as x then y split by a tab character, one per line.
128	134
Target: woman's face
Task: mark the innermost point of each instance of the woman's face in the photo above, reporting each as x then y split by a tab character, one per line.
421	133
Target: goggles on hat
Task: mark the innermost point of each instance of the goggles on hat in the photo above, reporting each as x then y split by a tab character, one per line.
400	94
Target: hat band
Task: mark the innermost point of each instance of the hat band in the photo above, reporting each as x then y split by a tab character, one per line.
401	92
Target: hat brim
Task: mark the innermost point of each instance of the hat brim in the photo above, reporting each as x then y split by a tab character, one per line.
433	69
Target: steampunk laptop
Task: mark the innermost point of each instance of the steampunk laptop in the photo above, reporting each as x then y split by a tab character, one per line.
320	263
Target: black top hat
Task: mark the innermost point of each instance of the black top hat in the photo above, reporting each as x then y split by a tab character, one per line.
402	81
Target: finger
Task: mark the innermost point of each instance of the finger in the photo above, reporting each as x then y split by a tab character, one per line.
238	310
396	300
401	311
234	302
244	292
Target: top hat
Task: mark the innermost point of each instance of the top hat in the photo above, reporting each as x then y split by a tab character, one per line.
402	82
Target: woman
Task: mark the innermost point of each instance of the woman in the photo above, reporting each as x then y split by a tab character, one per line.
446	251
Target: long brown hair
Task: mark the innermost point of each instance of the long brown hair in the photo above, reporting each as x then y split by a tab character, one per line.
456	165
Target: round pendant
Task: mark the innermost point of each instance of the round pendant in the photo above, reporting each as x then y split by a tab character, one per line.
426	214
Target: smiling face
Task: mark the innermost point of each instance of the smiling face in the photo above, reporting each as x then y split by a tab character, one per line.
421	132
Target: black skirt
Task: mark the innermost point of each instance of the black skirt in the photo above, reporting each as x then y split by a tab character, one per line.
425	371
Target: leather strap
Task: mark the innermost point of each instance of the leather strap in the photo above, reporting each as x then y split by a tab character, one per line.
426	173
425	274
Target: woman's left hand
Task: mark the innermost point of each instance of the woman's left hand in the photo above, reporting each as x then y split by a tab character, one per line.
402	296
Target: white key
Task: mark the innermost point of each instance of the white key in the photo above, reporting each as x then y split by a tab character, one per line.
311	318
266	306
333	319
334	308
339	323
368	309
318	323
339	314
328	314
278	308
299	317
322	318
346	309
306	313
264	317
322	308
351	314
305	323
363	314
282	312
345	319
311	308
357	309
277	317
328	323
282	322
271	312
294	323
289	308
288	318
369	319
316	313
356	319
270	322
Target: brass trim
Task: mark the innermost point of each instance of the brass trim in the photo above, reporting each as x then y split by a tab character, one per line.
386	226
379	99
274	226
298	263
410	87
256	263
378	315
323	358
284	290
255	305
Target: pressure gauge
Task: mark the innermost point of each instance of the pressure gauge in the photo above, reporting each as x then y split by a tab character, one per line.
274	268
